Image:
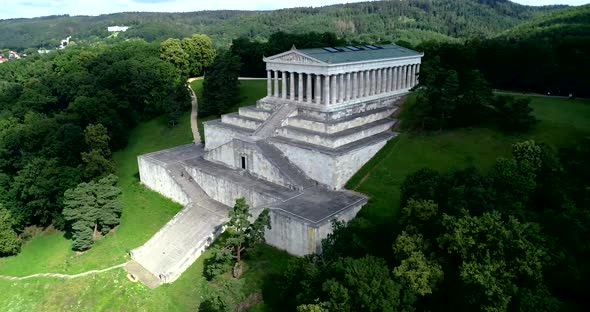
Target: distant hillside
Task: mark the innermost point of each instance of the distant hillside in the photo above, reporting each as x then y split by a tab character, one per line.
412	21
569	22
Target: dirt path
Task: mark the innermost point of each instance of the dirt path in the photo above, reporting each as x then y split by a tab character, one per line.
58	275
194	110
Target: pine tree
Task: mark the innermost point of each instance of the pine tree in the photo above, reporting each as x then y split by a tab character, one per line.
92	207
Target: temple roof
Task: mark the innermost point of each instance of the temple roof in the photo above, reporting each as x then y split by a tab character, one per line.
350	54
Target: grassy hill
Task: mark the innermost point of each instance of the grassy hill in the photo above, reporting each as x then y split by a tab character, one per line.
570	22
412	21
562	122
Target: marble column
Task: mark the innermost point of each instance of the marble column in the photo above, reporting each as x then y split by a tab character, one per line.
399	78
340	86
380	81
368	83
300	87
390	81
276	81
354	88
284	85
355	85
403	78
417	74
361	84
408	74
308	98
333	89
268	84
395	77
413	78
373	79
348	88
326	93
318	89
292	86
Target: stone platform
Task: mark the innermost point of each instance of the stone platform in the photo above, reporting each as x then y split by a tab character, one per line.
300	218
328	113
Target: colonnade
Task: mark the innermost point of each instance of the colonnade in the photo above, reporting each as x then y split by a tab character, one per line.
338	88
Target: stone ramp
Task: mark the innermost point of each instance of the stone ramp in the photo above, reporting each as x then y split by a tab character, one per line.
275	120
276	157
139	273
182	240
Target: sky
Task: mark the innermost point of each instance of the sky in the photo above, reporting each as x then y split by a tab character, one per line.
35	8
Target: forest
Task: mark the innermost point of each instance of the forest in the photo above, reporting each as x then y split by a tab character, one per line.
64	112
511	237
370	22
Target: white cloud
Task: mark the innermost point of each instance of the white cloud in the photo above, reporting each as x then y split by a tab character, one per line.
34	8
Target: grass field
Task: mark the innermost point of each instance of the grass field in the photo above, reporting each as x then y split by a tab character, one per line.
144	213
562	122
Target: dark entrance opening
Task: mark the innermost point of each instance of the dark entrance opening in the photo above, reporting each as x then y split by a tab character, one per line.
243	162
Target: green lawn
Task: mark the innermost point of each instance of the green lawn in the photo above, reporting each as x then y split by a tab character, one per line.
562	122
144	212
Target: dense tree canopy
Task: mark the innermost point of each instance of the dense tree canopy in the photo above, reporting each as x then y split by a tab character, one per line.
370	21
221	86
465	241
62	114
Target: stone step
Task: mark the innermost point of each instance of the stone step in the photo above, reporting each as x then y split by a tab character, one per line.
180	241
241	121
338	139
165	254
275	120
255	113
339	151
218	133
334	126
277	158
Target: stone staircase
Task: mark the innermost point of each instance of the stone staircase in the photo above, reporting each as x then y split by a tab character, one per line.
179	243
275	120
299	180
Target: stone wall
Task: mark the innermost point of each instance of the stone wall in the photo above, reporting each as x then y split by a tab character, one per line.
155	176
231	153
302	238
217	134
331	170
226	191
352	109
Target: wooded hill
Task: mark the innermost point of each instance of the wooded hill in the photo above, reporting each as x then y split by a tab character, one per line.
377	21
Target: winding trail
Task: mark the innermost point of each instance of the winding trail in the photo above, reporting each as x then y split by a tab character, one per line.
58	275
194	110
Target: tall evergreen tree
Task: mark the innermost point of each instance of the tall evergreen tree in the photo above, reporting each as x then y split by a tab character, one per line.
90	208
221	85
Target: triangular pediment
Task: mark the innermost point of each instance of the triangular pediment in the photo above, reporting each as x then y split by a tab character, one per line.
294	57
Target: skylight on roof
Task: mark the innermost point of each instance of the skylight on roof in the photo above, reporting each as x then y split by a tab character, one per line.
373	47
330	49
353	48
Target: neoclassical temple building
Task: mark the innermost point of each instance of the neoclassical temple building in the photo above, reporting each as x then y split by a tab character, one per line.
326	113
331	77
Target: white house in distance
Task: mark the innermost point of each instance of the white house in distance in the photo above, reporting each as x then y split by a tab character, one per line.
117	28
